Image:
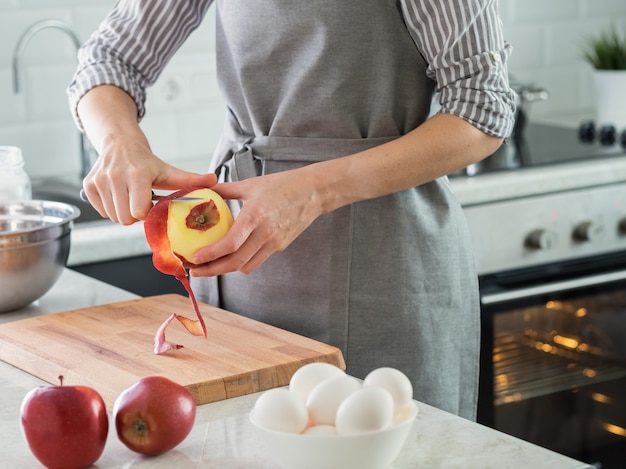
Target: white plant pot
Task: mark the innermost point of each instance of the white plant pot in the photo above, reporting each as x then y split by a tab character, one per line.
610	90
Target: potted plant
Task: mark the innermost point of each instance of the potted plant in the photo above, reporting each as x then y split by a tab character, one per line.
606	53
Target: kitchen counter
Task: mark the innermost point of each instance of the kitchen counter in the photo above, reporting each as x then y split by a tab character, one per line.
506	185
222	435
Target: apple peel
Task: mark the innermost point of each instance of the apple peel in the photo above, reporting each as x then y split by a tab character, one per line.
166	261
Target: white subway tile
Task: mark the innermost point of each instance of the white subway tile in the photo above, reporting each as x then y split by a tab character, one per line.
59	3
161	131
9	4
565	41
544	10
528	43
199	132
13	108
603	8
50	148
87	17
44	89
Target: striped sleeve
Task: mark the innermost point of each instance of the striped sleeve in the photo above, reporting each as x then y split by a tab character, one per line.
132	46
467	55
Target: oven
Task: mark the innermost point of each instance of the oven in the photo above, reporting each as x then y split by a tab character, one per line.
550	242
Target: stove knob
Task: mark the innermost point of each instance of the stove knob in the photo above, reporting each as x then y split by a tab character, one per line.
607	135
541	239
587	132
588	231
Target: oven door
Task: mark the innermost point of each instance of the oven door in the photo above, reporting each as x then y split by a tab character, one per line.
553	358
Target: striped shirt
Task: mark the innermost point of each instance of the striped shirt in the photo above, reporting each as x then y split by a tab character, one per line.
462	43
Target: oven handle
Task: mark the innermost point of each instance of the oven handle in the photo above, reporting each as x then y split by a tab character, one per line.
553	287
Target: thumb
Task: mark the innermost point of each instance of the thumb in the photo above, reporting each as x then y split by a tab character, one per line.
178	179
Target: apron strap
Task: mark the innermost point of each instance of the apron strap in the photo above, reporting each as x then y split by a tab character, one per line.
246	154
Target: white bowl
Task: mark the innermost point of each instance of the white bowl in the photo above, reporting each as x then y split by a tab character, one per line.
371	450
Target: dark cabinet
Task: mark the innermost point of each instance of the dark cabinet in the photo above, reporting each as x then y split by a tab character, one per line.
135	274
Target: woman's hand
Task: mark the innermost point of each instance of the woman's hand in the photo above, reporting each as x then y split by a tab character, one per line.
119	186
276	209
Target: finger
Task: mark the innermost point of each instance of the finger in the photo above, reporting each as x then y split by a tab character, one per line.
92	196
122	208
232	241
109	207
256	261
140	199
140	205
174	178
115	201
253	252
230	190
232	263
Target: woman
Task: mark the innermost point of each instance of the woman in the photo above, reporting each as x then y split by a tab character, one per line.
347	230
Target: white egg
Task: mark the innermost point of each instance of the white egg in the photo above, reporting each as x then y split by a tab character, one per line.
281	410
402	415
369	409
310	375
325	398
321	430
394	381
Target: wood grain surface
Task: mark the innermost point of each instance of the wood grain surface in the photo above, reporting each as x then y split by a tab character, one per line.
109	347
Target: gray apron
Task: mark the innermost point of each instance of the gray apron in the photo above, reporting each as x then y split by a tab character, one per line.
390	281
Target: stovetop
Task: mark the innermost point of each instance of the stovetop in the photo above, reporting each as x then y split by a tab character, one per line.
546	199
547	145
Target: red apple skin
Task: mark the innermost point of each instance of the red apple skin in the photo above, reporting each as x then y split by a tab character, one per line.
154	415
65	426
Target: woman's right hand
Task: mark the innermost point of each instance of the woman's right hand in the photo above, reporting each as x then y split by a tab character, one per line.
120	183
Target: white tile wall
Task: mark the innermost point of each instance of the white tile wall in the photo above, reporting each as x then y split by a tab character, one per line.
184	107
185	110
547	38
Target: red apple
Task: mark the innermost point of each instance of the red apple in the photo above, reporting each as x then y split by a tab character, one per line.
194	224
175	229
178	228
154	415
65	426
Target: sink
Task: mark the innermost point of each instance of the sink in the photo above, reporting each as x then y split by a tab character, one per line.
66	190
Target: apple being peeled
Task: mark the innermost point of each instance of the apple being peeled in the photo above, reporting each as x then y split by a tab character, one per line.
175	230
194	224
65	426
154	415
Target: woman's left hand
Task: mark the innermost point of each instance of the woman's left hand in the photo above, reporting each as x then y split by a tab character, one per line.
276	209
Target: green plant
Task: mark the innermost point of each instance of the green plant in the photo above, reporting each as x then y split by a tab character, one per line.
607	51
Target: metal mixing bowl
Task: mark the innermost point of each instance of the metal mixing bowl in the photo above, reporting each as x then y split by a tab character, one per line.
34	247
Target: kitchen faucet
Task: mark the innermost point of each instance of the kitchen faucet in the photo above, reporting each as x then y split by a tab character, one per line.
86	150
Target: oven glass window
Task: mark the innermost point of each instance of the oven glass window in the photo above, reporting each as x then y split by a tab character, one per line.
560	375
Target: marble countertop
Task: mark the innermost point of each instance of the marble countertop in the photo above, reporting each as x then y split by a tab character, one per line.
505	185
222	435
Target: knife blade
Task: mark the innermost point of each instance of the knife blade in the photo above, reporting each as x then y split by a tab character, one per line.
155	197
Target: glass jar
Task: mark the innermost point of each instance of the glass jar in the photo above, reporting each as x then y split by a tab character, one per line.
14	182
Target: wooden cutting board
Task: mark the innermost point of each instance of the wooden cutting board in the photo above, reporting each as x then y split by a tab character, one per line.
109	347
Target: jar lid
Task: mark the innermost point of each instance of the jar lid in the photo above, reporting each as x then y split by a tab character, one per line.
10	156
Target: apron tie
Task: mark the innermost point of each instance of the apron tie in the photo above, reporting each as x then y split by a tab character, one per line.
242	156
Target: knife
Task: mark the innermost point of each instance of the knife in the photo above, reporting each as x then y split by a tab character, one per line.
155	197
